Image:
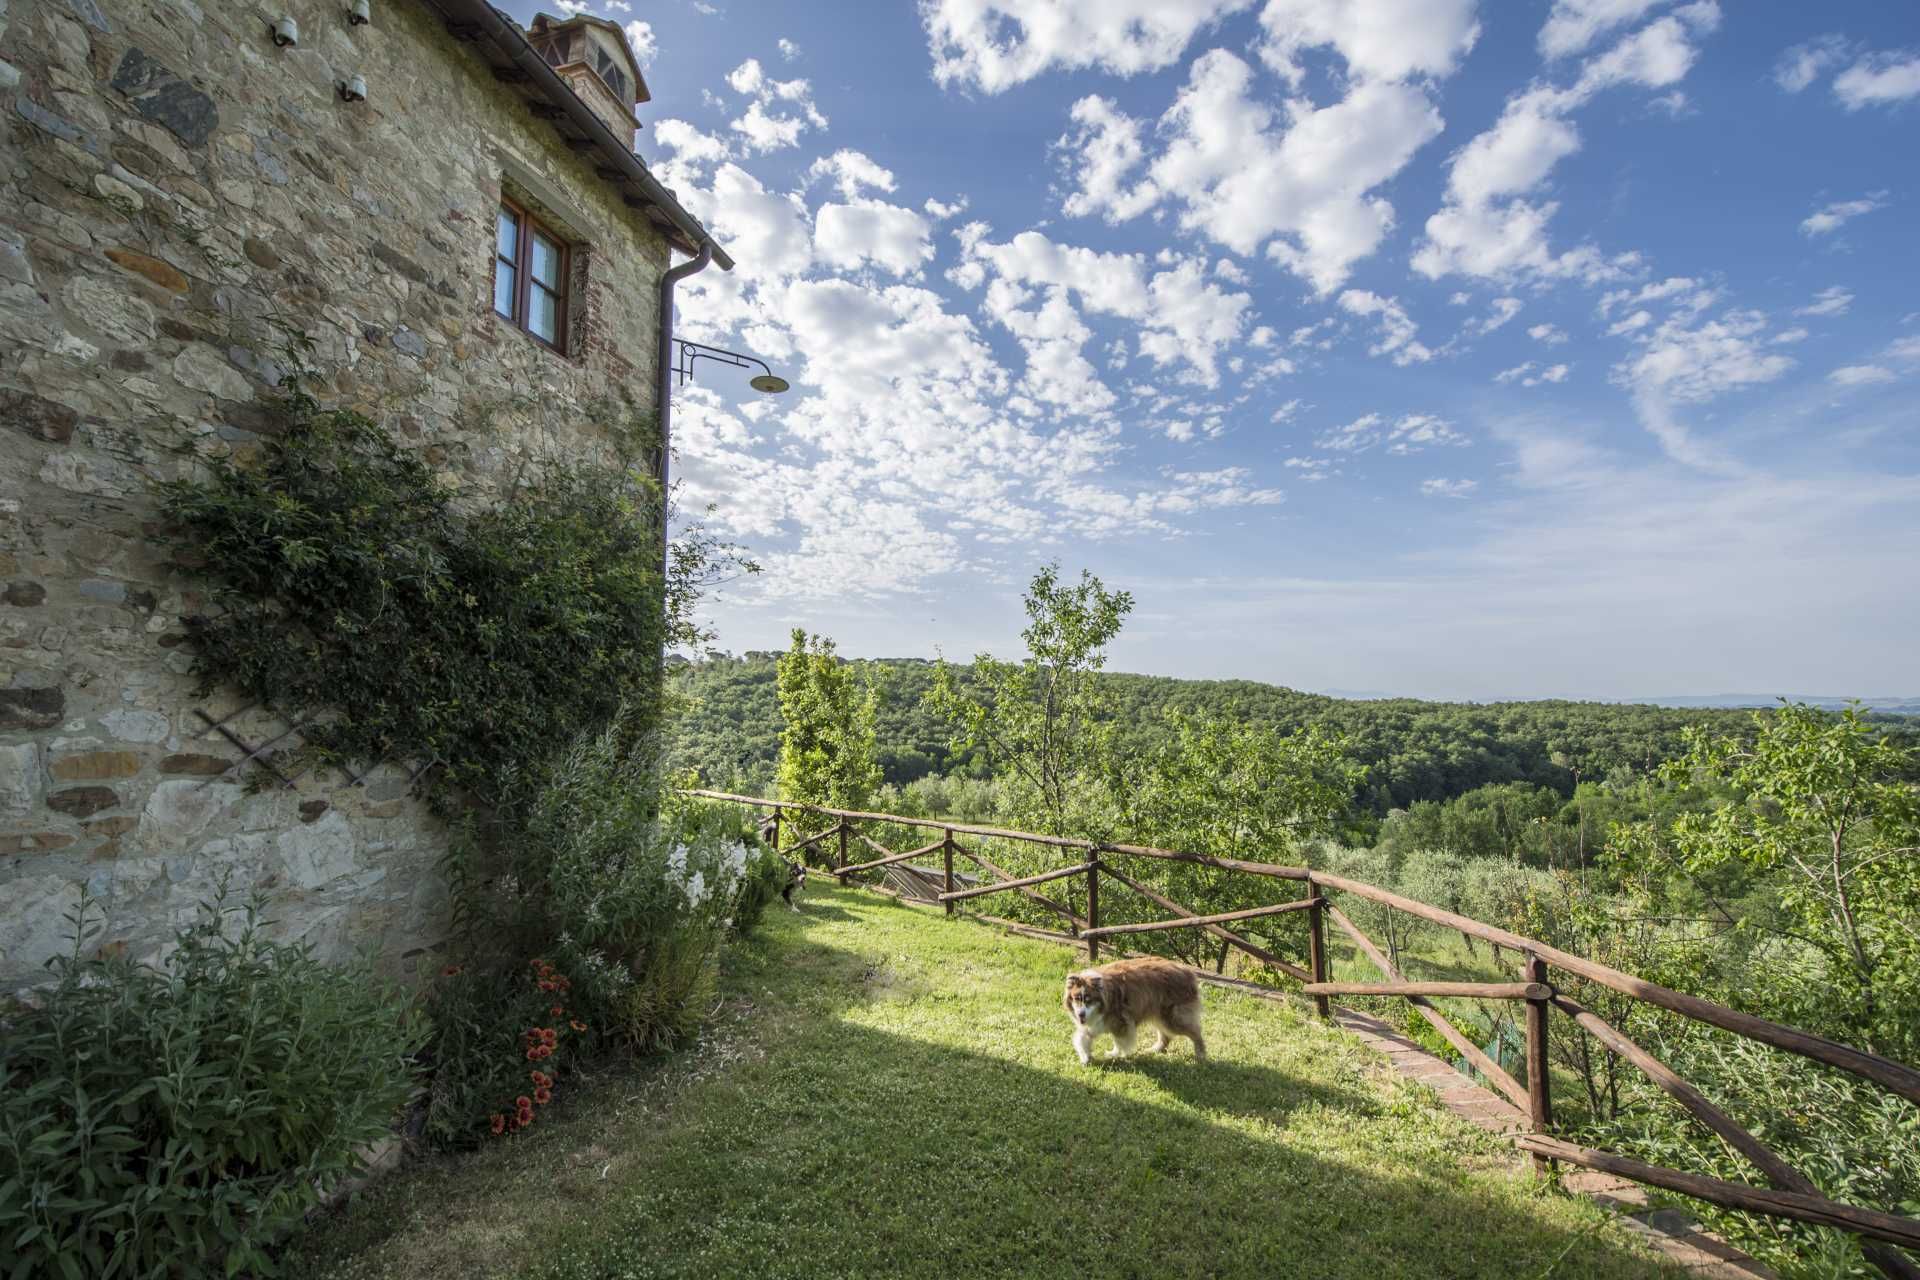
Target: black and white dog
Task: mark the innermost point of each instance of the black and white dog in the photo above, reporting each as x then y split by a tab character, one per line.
796	881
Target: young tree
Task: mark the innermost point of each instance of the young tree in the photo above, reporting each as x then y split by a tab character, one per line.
1235	791
1039	721
1832	814
827	746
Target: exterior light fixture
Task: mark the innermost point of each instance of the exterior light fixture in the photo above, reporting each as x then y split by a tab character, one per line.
766	380
286	33
353	89
360	13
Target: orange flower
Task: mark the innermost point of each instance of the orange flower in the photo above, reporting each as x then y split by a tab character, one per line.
543	1096
498	1124
578	1025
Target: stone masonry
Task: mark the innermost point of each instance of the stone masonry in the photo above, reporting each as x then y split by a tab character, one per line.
172	184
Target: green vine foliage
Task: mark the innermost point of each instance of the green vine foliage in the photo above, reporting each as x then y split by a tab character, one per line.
352	589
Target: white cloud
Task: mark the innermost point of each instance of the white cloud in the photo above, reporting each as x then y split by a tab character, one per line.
1531	374
1861	375
940	210
1801	65
780	110
1411	433
851	171
691	148
1831	301
1832	217
640	39
994	45
1440	488
1490	225
872	231
1378	39
1551	335
1103	150
1313	470
788	49
1302	191
1575	24
1877	79
1397	329
1904	349
1692	363
1181	316
1504	309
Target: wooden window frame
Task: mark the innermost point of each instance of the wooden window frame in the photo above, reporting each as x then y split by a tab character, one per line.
522	264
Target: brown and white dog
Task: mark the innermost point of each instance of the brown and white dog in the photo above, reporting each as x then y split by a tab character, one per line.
1119	998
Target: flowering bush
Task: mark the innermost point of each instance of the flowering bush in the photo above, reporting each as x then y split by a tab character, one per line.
612	905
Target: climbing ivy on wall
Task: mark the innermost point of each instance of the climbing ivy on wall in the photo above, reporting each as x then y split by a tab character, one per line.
349	589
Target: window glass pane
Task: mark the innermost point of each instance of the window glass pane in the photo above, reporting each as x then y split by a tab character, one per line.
543	314
503	276
546	261
509	235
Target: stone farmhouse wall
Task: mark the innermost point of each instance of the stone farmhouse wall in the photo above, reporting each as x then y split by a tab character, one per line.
171	184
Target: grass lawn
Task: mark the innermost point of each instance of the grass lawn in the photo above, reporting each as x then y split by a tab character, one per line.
885	1092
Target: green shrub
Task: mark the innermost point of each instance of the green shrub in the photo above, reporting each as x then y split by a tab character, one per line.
623	892
172	1121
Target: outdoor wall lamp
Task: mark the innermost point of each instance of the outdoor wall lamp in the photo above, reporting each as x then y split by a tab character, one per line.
286	33
767	381
360	13
353	89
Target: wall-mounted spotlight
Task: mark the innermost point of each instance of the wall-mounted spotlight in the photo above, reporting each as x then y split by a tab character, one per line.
286	33
767	380
360	13
353	89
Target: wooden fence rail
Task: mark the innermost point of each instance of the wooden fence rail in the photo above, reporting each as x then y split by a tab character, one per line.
1791	1194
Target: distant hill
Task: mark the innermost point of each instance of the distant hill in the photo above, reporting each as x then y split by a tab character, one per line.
1417	750
1885	706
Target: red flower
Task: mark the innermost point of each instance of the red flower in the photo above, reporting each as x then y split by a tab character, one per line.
543	1096
534	1054
523	1103
526	1118
541	1079
557	1011
498	1124
452	970
546	985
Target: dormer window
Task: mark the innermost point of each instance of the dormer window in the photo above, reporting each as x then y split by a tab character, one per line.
530	277
610	71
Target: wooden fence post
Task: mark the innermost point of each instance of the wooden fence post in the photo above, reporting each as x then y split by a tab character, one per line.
946	854
1539	1070
1317	947
841	861
776	828
1093	905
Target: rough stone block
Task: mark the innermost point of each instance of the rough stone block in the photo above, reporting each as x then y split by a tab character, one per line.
320	853
178	810
25	595
166	275
34	930
96	764
31	708
20	779
23	842
37	417
130	725
83	802
193	763
111	829
164	98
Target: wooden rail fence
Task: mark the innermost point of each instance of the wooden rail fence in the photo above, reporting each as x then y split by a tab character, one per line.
1790	1195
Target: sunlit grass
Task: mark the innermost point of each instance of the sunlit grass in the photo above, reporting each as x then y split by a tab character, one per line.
886	1092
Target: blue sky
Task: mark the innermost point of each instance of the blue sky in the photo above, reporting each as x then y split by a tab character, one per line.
1558	347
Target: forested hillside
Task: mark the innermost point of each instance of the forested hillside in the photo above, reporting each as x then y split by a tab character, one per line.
1414	750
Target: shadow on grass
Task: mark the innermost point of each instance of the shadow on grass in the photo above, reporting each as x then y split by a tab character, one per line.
933	1130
